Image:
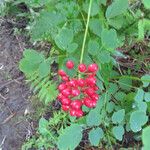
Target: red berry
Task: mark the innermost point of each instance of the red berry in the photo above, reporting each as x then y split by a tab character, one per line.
81	82
96	88
82	67
90	91
65	78
62	86
66	92
91	81
94	103
75	92
62	73
65	107
72	83
92	68
95	97
88	102
70	64
60	96
79	113
65	101
72	112
76	104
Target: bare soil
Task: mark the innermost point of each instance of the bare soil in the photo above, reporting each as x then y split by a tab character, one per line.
14	94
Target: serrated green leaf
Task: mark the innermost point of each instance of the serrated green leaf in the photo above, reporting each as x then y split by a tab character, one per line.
93	47
110	107
43	126
147	96
145	138
146	3
93	118
117	8
104	57
142	106
139	95
141	26
146	80
118	132
72	47
118	116
95	135
120	96
125	84
109	39
137	120
70	137
44	69
113	88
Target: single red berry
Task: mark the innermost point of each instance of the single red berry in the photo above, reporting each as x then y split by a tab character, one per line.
76	104
66	92
79	113
95	96
62	86
82	67
72	83
90	91
75	92
60	96
65	101
81	82
91	81
96	88
62	73
94	103
65	78
72	112
93	68
70	64
88	102
65	107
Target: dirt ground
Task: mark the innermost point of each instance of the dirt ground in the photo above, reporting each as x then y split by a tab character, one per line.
14	94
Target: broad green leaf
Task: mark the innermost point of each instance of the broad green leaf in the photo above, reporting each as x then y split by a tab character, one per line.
137	120
70	137
120	96
118	132
109	39
146	80
110	107
125	84
146	138
95	135
43	126
141	26
72	47
93	47
113	88
93	118
64	38
44	69
146	3
139	95
147	96
118	116
95	26
142	106
104	57
117	8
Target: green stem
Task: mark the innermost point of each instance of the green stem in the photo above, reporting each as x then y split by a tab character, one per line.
86	31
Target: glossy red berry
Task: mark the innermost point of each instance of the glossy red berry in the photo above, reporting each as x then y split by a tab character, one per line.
81	82
79	113
93	68
72	83
70	64
62	73
90	91
95	97
82	67
66	92
91	81
88	102
72	112
60	96
75	92
65	107
76	104
62	86
65	101
65	78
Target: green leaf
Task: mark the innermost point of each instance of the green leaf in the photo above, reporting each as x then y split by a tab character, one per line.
118	116
113	88
137	120
120	96
72	47
64	38
96	26
147	96
141	26
109	39
104	57
139	95
125	84
93	47
43	126
142	106
95	135
93	118
146	3
145	138
110	107
116	8
44	69
70	137
118	132
146	80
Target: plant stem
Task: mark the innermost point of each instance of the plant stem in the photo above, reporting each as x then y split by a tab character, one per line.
86	31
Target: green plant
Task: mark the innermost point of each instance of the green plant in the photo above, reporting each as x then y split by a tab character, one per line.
87	32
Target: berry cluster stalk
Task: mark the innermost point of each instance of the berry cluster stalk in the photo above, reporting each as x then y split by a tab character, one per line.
86	31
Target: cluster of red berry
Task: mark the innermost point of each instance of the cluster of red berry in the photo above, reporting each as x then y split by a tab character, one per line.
77	92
